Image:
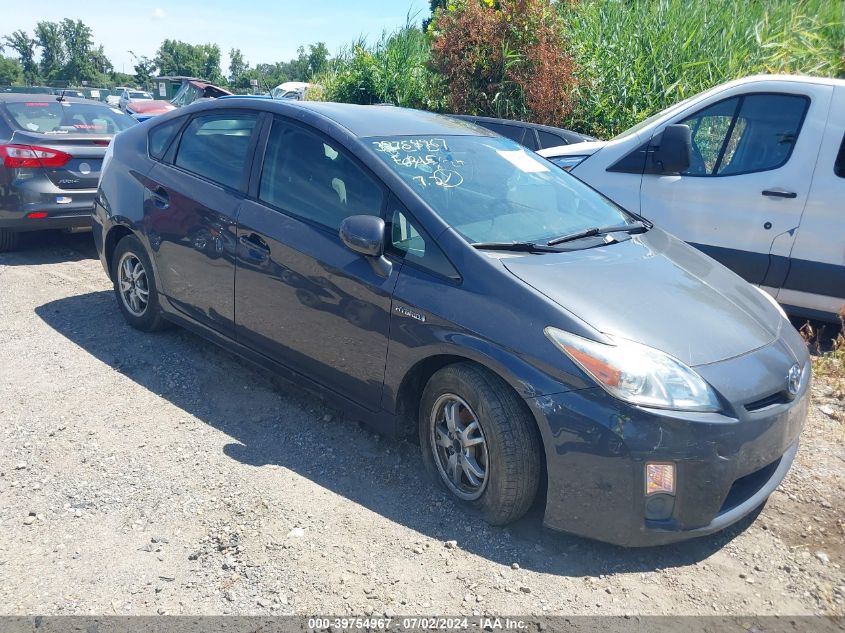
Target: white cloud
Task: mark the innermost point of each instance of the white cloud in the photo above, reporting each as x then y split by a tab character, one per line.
159	14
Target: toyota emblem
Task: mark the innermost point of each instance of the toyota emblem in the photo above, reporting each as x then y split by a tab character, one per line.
793	379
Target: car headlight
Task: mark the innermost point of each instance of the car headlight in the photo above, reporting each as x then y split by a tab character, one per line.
773	301
637	373
567	163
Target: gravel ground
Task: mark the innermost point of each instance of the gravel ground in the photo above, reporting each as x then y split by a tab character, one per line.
144	474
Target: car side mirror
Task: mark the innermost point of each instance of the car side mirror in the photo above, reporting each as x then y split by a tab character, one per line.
672	150
363	234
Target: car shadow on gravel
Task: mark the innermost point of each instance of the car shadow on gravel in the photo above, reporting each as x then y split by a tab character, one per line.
274	423
37	248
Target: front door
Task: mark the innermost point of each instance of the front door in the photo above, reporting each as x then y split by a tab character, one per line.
189	215
302	297
742	196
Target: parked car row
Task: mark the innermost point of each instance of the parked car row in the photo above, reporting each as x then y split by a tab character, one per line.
441	281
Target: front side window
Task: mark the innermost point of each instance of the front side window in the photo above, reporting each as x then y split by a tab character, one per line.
215	147
491	189
65	117
745	134
307	176
413	244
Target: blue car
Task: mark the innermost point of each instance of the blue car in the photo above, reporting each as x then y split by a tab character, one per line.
441	282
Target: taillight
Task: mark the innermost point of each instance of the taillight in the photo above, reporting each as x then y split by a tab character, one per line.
32	156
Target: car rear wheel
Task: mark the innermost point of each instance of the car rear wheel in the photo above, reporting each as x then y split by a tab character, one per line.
479	441
8	240
135	286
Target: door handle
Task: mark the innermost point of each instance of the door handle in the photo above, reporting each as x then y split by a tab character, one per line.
779	193
254	242
160	197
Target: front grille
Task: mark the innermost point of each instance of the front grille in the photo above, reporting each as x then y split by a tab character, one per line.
746	487
776	398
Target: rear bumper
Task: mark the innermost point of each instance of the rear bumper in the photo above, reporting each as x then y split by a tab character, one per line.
65	209
597	447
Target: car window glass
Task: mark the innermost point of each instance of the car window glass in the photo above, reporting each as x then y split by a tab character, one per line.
57	118
215	147
529	140
547	139
839	165
415	246
162	135
5	129
709	128
745	134
307	176
510	131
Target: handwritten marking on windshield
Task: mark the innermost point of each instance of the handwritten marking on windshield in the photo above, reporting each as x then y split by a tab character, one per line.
426	155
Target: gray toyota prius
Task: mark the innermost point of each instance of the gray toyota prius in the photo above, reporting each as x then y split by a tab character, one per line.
441	282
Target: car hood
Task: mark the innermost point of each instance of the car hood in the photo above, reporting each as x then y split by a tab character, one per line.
656	290
584	148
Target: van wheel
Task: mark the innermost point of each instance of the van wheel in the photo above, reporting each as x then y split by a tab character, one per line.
8	240
480	442
135	286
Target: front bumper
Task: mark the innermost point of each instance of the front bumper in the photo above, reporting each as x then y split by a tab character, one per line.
726	464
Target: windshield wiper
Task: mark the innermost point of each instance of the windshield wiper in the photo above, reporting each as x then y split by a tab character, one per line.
519	247
634	226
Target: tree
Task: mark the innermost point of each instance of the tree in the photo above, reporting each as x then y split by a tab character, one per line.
11	71
503	58
50	40
24	46
80	61
144	70
318	58
194	60
434	5
237	67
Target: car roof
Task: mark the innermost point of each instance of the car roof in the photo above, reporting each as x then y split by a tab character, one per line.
15	97
515	123
369	120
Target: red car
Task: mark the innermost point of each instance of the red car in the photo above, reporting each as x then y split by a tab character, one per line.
147	109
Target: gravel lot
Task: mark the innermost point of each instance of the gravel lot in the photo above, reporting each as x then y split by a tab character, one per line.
144	474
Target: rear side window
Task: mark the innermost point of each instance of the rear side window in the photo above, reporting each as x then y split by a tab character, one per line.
215	147
414	245
162	135
744	135
509	131
547	139
66	117
307	176
839	165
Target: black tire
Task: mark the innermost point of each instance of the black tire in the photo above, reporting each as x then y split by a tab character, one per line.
148	319
513	450
8	240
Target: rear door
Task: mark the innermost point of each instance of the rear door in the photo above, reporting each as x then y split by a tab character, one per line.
816	276
302	298
191	202
753	159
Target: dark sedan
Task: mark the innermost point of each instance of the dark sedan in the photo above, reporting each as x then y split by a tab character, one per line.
532	135
51	149
442	282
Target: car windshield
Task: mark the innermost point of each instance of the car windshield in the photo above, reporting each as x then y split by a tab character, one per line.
140	95
66	117
492	189
637	127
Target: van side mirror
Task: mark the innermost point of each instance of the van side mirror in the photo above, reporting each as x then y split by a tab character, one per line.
363	234
672	150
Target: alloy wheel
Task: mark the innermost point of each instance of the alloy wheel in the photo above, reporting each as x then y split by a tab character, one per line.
459	447
133	284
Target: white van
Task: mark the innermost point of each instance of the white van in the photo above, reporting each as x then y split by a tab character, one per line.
761	186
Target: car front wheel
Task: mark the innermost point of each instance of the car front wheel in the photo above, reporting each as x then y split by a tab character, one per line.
480	441
135	286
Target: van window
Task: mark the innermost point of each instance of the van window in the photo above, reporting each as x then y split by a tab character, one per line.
746	134
215	147
415	246
839	165
307	176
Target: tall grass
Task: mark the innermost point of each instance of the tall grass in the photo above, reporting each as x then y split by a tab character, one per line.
392	70
635	57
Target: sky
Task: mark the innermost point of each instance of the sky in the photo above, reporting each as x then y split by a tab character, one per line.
264	30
